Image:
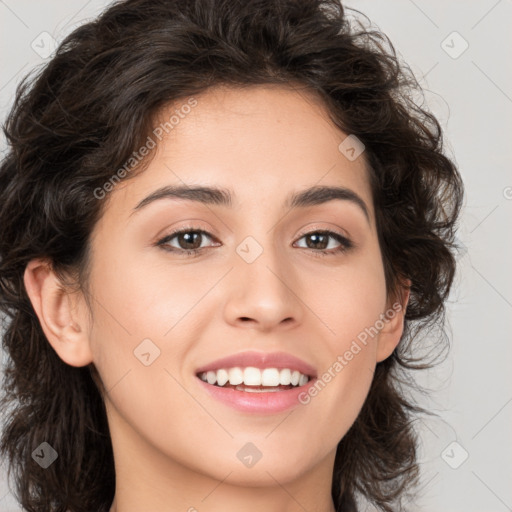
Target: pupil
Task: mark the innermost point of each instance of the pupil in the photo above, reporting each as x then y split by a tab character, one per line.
188	236
317	237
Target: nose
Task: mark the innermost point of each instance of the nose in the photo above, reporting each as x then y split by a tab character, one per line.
265	293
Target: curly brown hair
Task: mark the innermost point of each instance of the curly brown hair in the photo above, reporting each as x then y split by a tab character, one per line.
82	116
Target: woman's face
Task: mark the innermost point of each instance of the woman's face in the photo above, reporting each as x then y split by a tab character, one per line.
259	282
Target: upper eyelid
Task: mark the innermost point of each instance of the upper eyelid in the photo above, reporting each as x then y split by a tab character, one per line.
177	232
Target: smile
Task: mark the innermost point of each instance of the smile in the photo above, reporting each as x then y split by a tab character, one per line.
255	380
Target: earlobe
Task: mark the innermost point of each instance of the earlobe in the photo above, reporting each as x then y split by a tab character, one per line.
54	306
393	321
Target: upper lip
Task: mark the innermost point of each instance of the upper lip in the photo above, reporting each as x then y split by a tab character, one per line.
260	360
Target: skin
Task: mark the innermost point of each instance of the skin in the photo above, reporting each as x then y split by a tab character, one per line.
174	446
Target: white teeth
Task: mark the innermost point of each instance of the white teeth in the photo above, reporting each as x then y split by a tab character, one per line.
236	376
222	377
270	377
285	377
251	376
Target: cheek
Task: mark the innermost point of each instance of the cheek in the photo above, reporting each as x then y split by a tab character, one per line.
138	297
145	315
351	299
138	318
352	311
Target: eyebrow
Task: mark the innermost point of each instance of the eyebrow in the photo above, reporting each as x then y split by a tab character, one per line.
223	197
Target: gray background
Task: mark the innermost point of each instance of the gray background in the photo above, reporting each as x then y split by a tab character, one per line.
471	93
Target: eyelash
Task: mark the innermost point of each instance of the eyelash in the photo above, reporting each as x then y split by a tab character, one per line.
345	243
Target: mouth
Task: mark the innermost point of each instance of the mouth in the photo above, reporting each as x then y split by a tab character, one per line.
257	382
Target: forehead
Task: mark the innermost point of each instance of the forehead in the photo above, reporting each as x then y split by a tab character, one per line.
260	141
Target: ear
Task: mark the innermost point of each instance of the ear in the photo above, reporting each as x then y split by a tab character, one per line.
393	320
62	318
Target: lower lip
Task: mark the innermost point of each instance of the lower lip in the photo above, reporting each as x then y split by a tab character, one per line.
272	402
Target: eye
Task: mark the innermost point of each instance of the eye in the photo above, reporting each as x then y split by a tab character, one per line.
188	240
319	242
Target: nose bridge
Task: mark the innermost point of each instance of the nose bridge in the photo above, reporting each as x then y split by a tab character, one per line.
262	262
263	289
